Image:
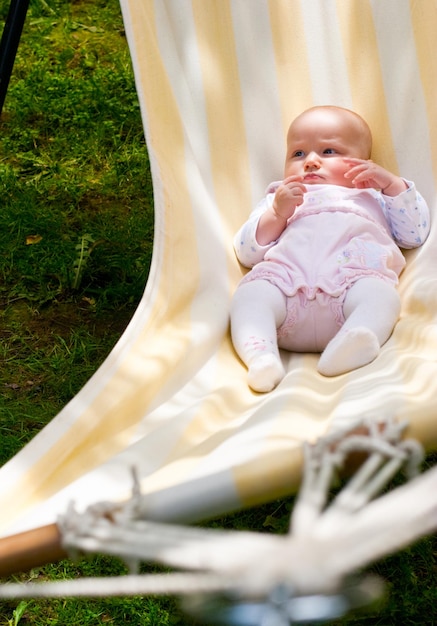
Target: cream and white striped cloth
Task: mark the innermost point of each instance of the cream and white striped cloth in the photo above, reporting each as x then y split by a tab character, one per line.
219	82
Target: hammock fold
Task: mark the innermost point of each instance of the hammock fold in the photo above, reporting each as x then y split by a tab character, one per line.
219	82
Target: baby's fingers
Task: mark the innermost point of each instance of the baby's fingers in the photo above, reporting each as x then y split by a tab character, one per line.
359	168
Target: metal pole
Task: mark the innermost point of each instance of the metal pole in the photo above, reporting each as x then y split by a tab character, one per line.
9	43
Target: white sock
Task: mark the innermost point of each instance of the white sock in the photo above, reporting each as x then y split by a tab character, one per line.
265	372
348	350
371	309
258	308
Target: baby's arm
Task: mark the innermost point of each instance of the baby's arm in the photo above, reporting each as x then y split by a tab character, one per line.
274	220
266	224
247	249
409	217
406	210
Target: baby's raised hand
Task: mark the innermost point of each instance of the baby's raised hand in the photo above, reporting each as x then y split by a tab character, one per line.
367	174
288	196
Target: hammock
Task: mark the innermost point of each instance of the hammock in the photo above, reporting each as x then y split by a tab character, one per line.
218	82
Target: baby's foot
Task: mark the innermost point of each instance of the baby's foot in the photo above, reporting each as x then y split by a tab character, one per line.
349	350
265	372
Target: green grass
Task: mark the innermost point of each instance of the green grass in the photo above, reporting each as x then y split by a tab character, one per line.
76	224
76	232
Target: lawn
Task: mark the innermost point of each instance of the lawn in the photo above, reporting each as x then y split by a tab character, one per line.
76	225
76	235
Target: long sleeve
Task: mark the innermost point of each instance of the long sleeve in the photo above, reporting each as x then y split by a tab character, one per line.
249	252
408	216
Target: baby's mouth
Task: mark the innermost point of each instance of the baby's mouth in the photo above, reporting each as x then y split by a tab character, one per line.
311	177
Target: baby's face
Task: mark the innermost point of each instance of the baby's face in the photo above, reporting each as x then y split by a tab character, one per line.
317	143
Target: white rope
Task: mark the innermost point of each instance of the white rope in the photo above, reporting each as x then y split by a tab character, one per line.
388	454
327	541
147	584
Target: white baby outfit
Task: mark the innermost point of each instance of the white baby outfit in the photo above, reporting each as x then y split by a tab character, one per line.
337	236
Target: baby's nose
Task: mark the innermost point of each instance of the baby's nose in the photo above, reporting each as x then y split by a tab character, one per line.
312	161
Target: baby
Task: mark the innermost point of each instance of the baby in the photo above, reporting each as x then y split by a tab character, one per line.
324	248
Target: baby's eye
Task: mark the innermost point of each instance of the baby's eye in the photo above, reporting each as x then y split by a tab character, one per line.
329	151
298	153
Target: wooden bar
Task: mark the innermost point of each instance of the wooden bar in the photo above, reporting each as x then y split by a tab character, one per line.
22	552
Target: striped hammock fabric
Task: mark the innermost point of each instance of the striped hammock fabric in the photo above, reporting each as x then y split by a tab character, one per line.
219	82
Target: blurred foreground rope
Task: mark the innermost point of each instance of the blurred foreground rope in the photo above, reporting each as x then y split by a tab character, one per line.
328	541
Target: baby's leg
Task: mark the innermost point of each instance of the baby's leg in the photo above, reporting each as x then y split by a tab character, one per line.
258	309
371	310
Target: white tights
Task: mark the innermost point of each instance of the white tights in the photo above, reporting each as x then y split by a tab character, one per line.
371	309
